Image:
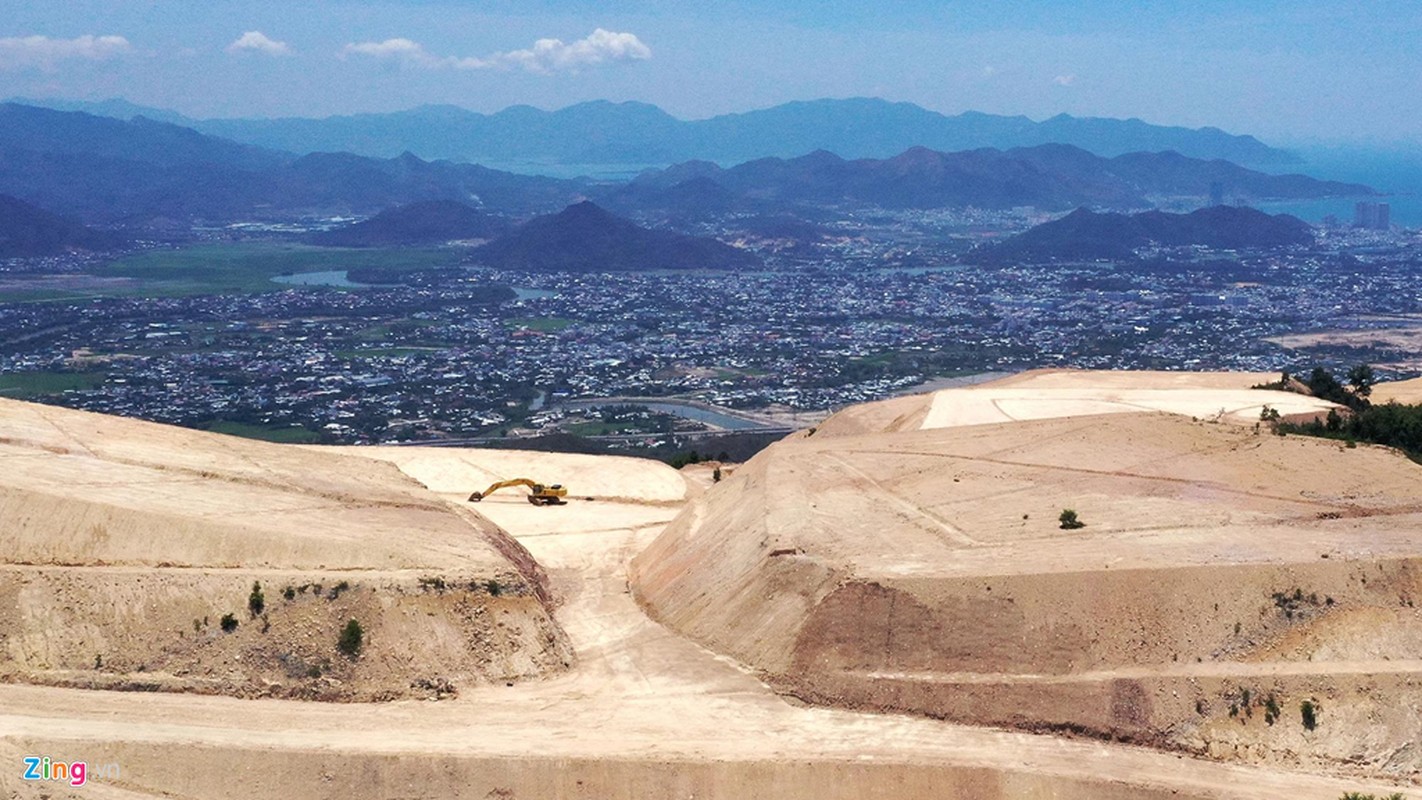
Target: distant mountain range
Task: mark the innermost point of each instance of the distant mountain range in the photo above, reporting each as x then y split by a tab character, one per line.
1084	235
1046	176
27	231
586	238
104	169
427	222
601	132
148	173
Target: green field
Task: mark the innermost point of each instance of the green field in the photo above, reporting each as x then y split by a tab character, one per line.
250	267
599	428
540	324
281	434
25	385
239	268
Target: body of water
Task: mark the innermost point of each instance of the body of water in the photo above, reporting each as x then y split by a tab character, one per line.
704	415
1396	173
1406	210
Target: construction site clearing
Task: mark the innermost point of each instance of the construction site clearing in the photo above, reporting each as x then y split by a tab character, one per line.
889	605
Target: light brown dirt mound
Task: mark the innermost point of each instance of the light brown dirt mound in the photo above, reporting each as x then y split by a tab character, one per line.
126	543
643	715
1107	380
1051	394
1408	392
1223	577
887	416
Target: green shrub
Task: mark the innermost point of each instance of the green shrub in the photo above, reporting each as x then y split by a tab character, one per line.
683	459
1271	710
1069	520
1309	710
256	601
228	623
352	639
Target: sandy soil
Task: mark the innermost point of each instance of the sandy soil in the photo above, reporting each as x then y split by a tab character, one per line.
643	714
1404	338
1408	392
1048	394
891	565
125	544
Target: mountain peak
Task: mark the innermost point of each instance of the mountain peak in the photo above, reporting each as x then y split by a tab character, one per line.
584	237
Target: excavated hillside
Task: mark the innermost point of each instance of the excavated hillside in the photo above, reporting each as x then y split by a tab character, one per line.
642	713
132	556
1232	594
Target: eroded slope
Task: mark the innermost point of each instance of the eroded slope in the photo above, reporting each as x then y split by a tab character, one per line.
125	544
1225	578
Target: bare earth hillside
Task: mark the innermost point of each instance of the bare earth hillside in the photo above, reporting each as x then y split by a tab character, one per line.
640	711
1225	580
126	543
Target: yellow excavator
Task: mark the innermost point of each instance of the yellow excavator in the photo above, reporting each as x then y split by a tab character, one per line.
538	494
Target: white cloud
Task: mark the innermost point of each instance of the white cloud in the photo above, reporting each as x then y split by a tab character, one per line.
396	50
44	52
1064	80
258	42
545	57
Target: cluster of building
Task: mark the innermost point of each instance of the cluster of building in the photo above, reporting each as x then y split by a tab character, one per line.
410	363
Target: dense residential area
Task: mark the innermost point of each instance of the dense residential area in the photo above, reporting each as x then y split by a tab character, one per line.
454	354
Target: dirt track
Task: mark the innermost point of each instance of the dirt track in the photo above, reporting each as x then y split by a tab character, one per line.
645	714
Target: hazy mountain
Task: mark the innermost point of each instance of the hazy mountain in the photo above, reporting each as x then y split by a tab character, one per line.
601	132
586	238
105	169
428	222
1046	176
1084	235
43	130
26	230
115	107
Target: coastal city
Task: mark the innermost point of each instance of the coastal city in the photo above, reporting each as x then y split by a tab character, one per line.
471	354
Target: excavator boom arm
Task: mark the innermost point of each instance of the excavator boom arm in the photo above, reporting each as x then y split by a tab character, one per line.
497	485
539	494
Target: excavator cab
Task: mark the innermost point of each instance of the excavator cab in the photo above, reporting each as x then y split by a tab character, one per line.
538	494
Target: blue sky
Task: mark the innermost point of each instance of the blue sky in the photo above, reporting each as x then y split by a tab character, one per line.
1290	72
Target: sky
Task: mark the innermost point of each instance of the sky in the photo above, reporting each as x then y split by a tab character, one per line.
1289	72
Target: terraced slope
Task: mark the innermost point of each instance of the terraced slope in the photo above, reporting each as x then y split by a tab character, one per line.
908	557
